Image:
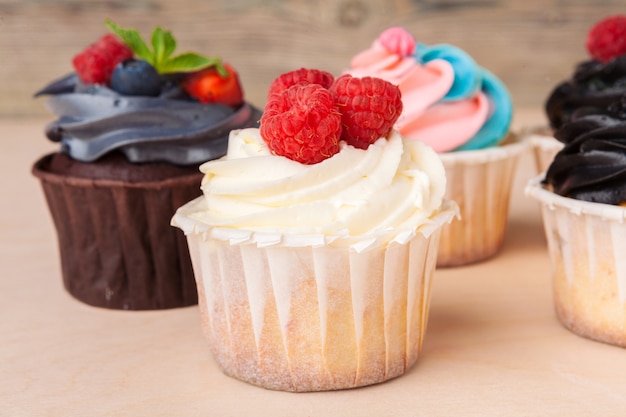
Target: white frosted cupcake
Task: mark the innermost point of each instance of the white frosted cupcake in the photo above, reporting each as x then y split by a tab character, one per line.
315	275
464	113
582	198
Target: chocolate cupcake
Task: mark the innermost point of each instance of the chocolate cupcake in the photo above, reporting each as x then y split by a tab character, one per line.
133	129
595	84
582	195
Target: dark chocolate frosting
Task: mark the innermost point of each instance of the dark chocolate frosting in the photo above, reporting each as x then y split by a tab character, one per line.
592	164
593	87
94	120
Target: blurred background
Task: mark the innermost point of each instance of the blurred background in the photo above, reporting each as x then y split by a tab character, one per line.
530	44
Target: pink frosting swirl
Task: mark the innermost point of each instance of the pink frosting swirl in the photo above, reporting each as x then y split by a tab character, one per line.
398	40
443	125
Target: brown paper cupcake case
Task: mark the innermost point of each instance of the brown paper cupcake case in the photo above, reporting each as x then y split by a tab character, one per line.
116	245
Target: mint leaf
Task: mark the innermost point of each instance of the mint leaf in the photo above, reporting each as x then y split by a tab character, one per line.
133	39
158	46
163	46
170	44
190	61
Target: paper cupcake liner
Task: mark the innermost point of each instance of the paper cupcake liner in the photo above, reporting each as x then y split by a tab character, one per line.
313	317
116	245
543	148
480	182
587	247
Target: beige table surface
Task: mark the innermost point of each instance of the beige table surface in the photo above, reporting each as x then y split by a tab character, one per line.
493	345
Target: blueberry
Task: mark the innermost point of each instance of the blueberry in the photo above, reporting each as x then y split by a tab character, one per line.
135	77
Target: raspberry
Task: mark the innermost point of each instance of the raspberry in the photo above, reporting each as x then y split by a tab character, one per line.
302	124
369	108
607	39
95	64
301	76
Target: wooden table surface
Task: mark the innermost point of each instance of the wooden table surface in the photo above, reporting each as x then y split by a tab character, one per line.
493	345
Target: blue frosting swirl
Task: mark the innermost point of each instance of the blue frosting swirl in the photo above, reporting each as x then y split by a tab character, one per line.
469	78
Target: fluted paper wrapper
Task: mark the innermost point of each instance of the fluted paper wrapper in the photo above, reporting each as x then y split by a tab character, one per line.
587	246
116	245
544	148
313	317
480	182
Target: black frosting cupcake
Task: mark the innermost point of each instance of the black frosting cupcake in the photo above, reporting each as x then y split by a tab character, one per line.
592	164
597	82
593	87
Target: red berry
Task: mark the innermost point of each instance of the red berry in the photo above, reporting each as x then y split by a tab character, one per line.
607	39
209	86
95	64
369	108
302	124
302	75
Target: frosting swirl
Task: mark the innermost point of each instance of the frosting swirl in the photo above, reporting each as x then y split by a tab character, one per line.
94	120
388	191
592	165
450	103
593	87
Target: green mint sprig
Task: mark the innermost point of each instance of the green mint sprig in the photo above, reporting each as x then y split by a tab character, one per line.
163	46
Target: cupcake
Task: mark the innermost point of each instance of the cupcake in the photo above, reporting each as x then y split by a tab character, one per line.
133	127
583	196
595	84
315	240
464	113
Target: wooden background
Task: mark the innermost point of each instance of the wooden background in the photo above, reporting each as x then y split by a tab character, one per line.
530	44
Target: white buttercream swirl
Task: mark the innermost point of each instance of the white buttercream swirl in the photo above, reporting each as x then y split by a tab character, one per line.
387	192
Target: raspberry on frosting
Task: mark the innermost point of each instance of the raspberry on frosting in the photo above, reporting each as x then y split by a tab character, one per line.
307	113
95	64
369	108
300	76
607	38
302	124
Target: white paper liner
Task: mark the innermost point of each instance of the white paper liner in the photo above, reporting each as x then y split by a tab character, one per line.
480	182
535	190
543	148
587	247
313	317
